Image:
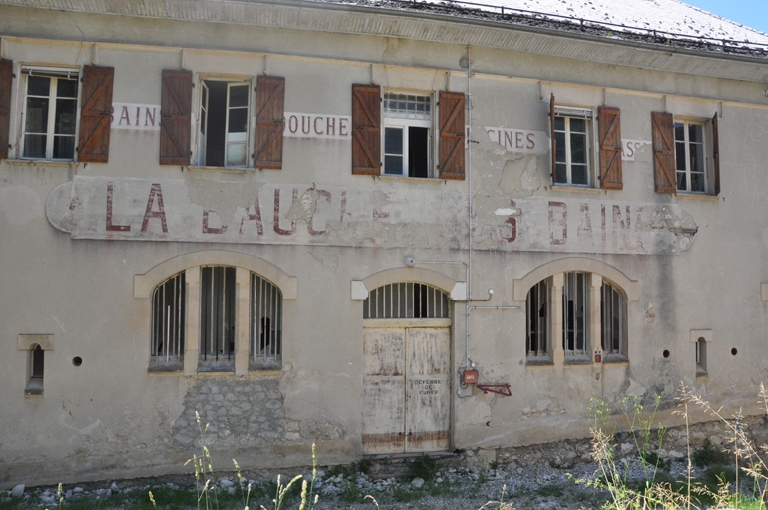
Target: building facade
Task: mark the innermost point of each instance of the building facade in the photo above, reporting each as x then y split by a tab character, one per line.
382	231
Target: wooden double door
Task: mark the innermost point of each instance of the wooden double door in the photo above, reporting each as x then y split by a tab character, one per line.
406	385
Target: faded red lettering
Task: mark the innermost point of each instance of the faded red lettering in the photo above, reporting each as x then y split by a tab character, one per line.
558	225
619	224
585	223
155	193
111	227
343	206
512	222
312	232
207	229
255	217
279	230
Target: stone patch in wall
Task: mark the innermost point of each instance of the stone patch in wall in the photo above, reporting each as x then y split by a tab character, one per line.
238	413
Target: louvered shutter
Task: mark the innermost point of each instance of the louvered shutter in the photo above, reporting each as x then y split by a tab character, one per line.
663	135
270	100
452	135
716	155
6	82
95	114
552	135
176	117
609	132
366	129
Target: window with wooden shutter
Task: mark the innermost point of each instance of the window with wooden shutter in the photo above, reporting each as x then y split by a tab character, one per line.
6	83
610	147
366	129
663	139
176	117
270	99
452	135
96	114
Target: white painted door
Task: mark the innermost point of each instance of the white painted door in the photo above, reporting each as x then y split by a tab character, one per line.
406	386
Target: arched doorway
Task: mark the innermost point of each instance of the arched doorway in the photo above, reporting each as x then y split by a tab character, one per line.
407	360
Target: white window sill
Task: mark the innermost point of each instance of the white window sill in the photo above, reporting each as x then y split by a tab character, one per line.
229	169
42	162
578	189
400	178
698	196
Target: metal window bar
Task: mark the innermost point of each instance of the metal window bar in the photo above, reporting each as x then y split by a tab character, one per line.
217	315
267	319
406	300
168	319
575	312
537	319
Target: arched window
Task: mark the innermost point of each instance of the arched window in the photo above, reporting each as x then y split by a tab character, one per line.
168	324
266	324
577	295
406	300
217	318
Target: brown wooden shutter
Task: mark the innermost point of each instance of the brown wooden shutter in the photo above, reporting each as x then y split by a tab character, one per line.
552	135
452	135
366	129
716	155
95	114
270	101
176	117
663	135
6	82
609	132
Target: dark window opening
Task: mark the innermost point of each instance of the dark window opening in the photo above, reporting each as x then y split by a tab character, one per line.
217	318
35	384
537	319
266	324
406	300
223	123
168	324
418	152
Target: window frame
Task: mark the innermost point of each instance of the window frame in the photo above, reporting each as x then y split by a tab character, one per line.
200	151
618	346
567	114
54	74
687	171
404	125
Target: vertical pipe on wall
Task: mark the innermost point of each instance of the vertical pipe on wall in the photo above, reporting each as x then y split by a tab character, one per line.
468	104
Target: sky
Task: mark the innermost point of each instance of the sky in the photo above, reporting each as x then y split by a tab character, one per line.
752	13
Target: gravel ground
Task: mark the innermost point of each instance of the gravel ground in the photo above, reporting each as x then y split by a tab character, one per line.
460	488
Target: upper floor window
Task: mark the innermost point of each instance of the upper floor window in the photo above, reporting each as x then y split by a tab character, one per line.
407	135
407	132
224	132
50	113
585	153
686	154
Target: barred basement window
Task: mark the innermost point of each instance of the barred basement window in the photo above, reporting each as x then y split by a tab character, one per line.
612	320
168	321
575	313
217	318
266	324
406	300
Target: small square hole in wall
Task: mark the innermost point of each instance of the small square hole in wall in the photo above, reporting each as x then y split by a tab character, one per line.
701	338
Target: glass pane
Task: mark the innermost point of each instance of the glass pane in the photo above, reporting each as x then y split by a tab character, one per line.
697	182
559	124
37	115
38	86
65	117
679	131
682	181
63	147
695	133
66	88
34	146
393	141
697	157
560	174
680	156
238	120
393	165
579	174
560	147
236	154
578	148
578	125
238	95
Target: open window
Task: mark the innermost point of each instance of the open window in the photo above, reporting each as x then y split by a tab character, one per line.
223	123
686	154
404	125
